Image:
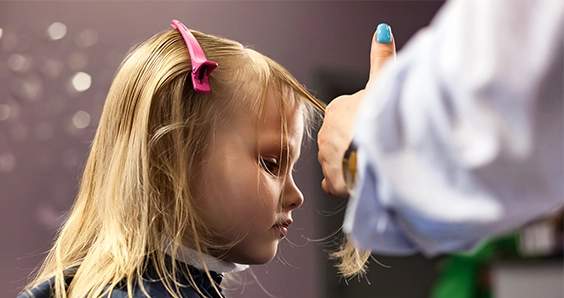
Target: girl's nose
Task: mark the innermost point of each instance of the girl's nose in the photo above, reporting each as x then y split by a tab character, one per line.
293	197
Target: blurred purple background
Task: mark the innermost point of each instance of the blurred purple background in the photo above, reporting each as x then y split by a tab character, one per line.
57	60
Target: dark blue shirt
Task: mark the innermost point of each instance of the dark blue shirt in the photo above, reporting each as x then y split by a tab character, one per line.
152	284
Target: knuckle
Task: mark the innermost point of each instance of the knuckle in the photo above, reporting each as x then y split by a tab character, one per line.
384	53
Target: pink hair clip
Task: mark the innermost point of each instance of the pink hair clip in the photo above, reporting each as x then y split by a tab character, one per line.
201	67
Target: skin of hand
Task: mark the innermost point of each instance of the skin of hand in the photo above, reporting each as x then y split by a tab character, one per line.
336	133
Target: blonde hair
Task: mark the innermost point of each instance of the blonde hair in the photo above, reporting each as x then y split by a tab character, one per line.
135	188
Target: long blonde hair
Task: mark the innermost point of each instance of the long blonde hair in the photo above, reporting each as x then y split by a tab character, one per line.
135	188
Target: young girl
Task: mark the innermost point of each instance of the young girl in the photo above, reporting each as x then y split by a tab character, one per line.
189	174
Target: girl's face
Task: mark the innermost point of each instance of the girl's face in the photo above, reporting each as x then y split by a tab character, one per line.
241	186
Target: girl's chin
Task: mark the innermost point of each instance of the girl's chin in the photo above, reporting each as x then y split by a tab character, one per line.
256	258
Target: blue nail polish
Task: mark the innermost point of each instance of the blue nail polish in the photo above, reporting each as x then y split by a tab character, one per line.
383	33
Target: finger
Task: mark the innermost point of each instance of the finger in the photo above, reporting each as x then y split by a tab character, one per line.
330	189
325	186
383	48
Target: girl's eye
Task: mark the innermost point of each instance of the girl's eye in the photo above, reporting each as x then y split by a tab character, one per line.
271	166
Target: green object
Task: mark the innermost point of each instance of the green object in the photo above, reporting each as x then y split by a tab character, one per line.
466	275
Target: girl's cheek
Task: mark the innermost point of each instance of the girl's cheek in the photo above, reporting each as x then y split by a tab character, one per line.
271	186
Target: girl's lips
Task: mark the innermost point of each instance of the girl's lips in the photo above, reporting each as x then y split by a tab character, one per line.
282	227
283	230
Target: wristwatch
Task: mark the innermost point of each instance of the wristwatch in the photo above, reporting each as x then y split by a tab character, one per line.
349	168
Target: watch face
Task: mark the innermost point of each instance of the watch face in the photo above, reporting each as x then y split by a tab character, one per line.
349	169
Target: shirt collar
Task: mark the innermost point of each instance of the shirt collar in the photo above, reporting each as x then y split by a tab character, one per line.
192	257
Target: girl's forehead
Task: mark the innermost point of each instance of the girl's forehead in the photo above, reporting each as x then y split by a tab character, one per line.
272	101
283	105
282	108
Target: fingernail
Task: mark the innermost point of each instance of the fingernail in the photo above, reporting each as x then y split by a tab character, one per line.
383	33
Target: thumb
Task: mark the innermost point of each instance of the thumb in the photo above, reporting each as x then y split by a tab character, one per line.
383	48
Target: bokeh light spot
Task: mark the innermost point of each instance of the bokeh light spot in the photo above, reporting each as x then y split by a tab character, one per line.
30	89
57	30
81	81
18	63
87	38
4	112
81	119
7	162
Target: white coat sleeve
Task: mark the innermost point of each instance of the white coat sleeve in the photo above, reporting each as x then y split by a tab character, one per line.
462	137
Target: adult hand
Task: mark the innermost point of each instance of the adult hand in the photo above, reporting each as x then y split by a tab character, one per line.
336	132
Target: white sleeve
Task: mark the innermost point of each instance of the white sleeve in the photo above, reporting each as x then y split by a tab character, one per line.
462	137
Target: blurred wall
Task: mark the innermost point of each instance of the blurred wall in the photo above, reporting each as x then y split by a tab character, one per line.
54	78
